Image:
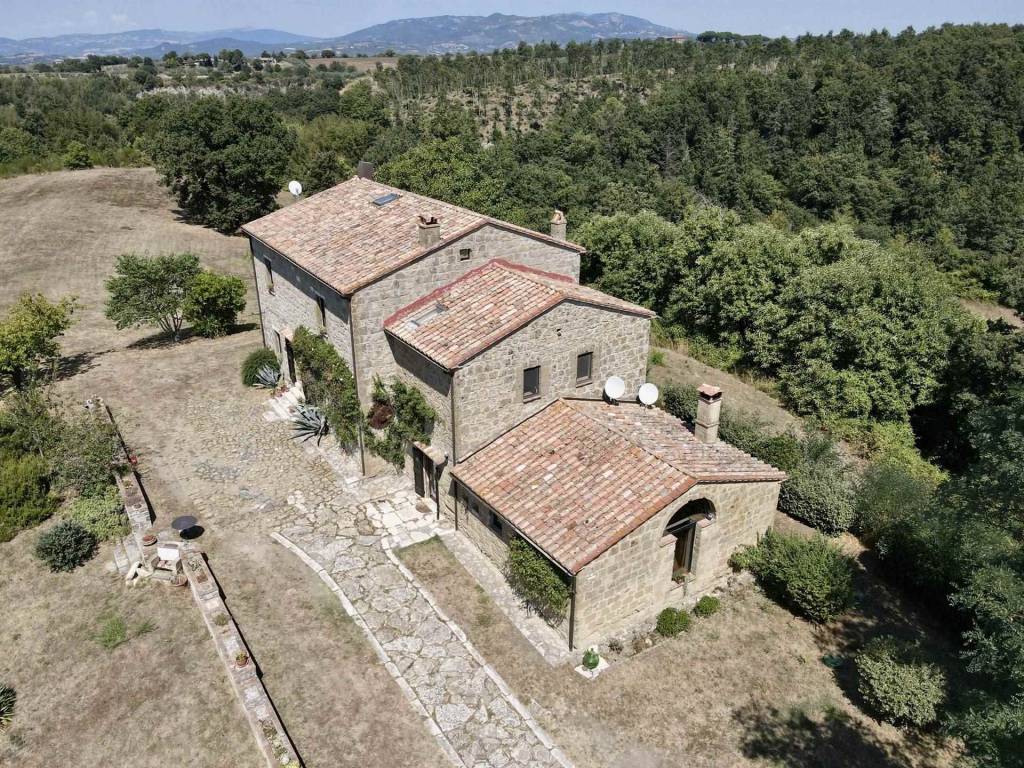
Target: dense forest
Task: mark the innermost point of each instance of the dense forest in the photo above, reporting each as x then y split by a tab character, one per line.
810	212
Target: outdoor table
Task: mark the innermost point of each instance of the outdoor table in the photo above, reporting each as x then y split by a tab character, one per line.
183	523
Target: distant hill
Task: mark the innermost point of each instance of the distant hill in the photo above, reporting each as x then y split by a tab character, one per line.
143	42
443	34
433	34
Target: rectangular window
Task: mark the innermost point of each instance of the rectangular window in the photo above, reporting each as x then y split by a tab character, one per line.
270	276
277	343
584	368
321	313
465	253
494	523
531	383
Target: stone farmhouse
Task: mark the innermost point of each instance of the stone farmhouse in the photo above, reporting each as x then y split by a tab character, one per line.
488	320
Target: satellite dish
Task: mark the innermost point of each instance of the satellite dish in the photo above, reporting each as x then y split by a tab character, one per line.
295	188
614	388
648	394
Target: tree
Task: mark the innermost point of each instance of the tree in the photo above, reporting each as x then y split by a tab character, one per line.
28	336
212	303
151	290
224	159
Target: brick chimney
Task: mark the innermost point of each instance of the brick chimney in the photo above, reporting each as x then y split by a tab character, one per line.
558	225
366	170
709	407
430	231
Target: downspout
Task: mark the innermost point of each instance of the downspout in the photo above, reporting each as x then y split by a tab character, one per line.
451	392
572	612
456	506
256	285
355	376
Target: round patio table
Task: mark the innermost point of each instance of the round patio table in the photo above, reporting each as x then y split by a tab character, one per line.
183	523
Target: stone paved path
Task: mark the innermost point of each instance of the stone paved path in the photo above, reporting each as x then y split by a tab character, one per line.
476	718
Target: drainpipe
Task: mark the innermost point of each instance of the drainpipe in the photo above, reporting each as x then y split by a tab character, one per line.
572	612
457	506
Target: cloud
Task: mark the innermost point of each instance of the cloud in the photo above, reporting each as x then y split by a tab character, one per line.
121	20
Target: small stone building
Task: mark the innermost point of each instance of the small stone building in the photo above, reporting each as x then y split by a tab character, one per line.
488	321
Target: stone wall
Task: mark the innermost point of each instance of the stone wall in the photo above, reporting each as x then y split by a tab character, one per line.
293	302
631	582
434	383
489	389
375	303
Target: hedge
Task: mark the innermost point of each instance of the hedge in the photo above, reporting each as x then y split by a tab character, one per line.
898	684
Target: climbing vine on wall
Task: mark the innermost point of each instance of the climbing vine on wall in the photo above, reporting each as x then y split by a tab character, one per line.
536	581
400	416
328	383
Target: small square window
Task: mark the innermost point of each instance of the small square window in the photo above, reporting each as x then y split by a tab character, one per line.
584	367
321	313
465	253
270	276
531	383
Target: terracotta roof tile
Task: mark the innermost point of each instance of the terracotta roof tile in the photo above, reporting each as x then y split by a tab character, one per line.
465	317
580	475
341	237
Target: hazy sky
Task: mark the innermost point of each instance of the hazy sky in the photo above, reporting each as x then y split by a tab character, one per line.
29	18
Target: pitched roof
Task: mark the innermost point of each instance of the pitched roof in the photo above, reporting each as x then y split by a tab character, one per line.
580	475
342	237
474	312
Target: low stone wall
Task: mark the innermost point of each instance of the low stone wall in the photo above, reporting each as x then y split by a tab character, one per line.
266	726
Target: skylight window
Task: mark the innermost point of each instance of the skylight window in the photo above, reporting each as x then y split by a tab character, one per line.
425	317
383	200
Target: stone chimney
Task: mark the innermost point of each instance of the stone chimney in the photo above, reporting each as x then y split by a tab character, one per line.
709	407
430	231
366	170
558	225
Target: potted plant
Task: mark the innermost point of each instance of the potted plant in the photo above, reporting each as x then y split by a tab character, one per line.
241	659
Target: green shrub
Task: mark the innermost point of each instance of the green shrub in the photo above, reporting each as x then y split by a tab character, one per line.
898	684
213	302
28	422
65	546
657	357
328	383
707	606
8	699
810	576
76	156
672	621
412	419
25	499
87	453
536	581
819	490
113	632
886	495
255	360
102	515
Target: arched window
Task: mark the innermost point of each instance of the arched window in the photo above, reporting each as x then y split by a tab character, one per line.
683	526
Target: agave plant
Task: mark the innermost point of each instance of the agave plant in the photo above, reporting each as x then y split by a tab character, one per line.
309	422
7	700
266	377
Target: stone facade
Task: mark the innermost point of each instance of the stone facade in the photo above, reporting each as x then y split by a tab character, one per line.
293	303
489	388
376	302
631	582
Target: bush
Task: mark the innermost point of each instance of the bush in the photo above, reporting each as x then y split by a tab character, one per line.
707	606
888	494
810	576
898	684
819	490
213	302
328	383
411	419
672	621
87	453
25	499
255	360
76	156
65	546
536	581
8	699
102	515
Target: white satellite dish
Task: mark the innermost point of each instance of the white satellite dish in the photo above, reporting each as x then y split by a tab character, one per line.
648	394
295	187
614	388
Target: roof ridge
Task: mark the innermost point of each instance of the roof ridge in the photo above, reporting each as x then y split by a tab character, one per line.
626	437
